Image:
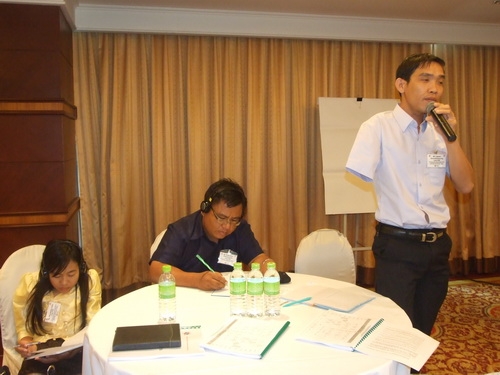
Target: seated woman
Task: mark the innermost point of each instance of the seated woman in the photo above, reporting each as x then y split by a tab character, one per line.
54	304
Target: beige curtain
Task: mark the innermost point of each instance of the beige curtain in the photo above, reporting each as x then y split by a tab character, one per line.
161	117
473	81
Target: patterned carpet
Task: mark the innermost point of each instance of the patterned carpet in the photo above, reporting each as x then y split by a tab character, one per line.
468	329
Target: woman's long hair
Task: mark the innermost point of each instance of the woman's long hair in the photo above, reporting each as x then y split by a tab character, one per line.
56	257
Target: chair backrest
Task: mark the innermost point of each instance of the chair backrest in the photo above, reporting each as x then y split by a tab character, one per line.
155	244
327	253
24	260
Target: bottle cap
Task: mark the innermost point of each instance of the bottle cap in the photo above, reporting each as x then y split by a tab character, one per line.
238	266
271	265
255	266
166	268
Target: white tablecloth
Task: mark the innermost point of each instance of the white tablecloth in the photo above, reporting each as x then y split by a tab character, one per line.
195	307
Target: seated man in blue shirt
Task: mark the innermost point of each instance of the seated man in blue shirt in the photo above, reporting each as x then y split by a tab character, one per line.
217	233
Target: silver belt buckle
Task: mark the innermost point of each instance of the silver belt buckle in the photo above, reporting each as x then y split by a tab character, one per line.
433	237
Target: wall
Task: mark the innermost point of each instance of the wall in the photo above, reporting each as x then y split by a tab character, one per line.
38	189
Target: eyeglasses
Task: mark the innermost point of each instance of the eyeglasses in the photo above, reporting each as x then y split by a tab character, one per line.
234	222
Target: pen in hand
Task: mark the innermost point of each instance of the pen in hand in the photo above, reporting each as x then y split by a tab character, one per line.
205	263
24	349
26	345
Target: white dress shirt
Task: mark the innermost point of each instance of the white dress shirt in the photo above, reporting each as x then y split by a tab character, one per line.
408	169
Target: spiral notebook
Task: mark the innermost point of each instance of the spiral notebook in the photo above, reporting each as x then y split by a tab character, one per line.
246	337
372	336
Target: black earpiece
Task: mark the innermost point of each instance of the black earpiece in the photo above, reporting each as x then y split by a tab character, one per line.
217	191
205	205
82	264
44	271
223	189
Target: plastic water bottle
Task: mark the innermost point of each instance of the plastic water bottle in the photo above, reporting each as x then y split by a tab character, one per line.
166	289
255	292
272	290
238	290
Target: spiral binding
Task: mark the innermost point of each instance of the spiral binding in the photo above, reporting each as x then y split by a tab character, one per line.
365	336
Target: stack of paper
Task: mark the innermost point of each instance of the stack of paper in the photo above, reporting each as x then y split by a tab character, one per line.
372	336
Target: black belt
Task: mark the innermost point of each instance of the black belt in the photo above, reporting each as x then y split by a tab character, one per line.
420	235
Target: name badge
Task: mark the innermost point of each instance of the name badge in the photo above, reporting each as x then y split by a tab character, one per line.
228	257
436	161
52	313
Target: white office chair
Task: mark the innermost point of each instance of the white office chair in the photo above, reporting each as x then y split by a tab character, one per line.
155	244
326	253
24	260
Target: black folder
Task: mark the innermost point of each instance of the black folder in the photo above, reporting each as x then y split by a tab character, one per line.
147	337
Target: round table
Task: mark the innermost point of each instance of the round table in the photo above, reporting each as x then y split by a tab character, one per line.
195	307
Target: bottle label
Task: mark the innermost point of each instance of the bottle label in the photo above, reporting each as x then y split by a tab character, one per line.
272	286
167	291
255	287
237	286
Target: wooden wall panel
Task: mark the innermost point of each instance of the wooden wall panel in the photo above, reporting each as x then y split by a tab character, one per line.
18	236
40	138
38	172
37	187
37	74
34	27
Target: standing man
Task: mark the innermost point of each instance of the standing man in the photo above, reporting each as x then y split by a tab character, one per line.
408	157
217	233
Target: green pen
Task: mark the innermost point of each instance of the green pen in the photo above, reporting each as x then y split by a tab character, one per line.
205	263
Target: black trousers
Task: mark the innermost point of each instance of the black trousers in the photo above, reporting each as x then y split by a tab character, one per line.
414	275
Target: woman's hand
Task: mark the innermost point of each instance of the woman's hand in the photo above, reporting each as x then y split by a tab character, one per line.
26	346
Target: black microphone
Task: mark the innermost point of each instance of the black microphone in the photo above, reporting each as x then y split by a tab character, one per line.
4	370
441	121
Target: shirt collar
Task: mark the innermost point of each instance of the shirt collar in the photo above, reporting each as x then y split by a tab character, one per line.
198	226
405	121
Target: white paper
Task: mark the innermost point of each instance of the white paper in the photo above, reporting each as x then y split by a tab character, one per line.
408	346
344	300
372	336
340	119
338	330
70	343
